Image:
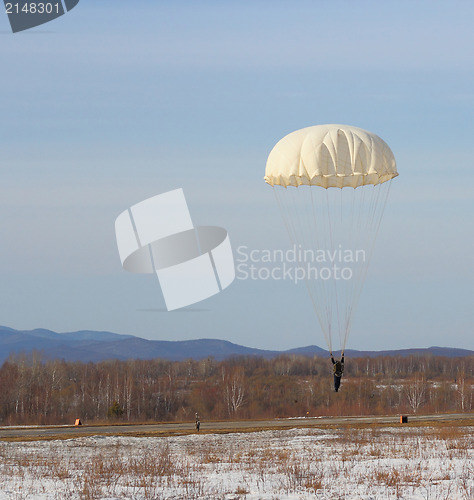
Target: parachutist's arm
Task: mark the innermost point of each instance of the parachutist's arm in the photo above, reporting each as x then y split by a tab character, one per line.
332	360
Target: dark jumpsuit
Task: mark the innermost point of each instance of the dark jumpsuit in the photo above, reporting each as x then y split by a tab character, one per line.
338	367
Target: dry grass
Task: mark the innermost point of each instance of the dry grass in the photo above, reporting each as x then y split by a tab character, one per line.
394	459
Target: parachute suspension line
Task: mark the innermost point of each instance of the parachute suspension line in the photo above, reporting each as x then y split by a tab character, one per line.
362	243
382	211
345	302
332	226
375	220
357	243
328	244
333	222
302	202
374	217
351	239
290	222
319	244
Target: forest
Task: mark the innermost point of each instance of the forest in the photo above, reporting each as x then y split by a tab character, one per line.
38	391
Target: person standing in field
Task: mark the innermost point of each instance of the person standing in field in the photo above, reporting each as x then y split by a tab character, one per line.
198	422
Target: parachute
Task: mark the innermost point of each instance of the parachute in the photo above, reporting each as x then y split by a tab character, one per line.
331	183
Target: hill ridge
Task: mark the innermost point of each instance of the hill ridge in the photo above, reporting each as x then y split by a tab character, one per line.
95	346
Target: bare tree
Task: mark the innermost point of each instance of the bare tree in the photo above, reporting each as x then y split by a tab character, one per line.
234	390
463	388
416	392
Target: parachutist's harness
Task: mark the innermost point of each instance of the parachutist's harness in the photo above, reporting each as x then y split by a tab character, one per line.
338	366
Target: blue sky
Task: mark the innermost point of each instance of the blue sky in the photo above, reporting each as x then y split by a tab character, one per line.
118	101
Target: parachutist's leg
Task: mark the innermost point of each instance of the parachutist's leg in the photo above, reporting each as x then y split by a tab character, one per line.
337	383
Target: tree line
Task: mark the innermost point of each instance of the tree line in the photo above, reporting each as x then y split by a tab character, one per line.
38	391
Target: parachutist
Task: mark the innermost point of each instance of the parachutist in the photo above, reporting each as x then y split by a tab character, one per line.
331	184
338	369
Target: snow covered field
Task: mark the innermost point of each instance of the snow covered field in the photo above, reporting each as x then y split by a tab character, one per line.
379	463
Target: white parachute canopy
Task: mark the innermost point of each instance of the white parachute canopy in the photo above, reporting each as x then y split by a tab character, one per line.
332	230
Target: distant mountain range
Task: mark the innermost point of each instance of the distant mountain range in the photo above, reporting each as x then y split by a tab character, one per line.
86	345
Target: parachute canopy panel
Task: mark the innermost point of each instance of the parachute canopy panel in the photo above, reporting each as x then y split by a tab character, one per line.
330	156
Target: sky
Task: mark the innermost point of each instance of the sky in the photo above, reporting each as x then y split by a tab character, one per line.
118	101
